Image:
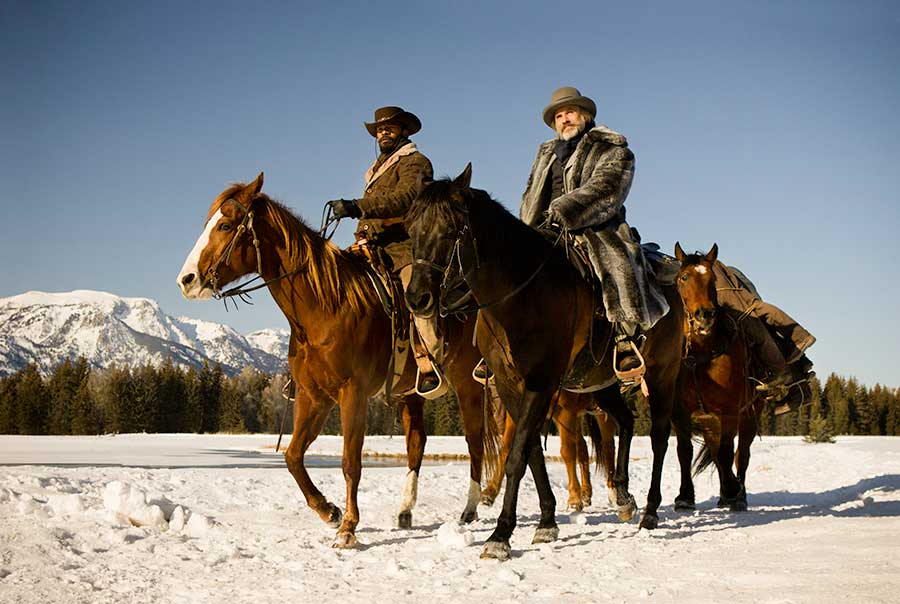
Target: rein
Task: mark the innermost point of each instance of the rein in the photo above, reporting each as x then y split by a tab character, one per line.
242	290
463	304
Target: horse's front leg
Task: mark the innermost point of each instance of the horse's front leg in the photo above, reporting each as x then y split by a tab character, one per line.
414	428
660	417
681	419
309	417
613	402
353	423
531	413
729	486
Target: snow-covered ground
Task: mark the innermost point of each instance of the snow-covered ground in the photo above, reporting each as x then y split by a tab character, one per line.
221	519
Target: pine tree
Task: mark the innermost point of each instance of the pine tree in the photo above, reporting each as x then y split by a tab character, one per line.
231	419
33	405
819	431
8	404
173	396
62	385
85	416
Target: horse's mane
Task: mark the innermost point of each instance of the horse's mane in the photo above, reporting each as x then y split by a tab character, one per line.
695	258
334	276
435	205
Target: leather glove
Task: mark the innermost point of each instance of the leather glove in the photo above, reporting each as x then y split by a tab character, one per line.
344	208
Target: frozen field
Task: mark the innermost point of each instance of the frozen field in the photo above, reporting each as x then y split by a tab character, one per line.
232	526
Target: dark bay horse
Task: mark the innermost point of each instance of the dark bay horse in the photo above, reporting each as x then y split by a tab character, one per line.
536	315
568	411
340	342
715	396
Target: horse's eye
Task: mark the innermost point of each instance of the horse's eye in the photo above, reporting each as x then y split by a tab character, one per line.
225	226
684	277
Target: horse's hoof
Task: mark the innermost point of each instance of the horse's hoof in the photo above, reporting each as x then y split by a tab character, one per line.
575	506
546	534
335	517
404	520
344	540
626	511
649	522
611	498
684	505
487	499
495	550
467	517
586	502
723	503
738	505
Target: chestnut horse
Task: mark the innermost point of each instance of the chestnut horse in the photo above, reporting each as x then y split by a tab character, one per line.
341	342
715	396
536	315
568	411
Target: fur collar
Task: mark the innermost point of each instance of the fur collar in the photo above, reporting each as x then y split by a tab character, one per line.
596	134
372	174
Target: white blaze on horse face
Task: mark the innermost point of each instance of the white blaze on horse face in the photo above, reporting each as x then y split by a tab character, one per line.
195	289
701	270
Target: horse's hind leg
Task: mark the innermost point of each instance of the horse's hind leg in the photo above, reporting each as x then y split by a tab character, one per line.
568	423
471	410
414	428
547	529
309	417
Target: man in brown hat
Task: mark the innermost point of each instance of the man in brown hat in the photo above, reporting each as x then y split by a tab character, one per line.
392	183
579	182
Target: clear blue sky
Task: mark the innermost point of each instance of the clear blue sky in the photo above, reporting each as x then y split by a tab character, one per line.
768	127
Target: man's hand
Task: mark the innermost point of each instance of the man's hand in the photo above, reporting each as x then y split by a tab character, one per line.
552	220
344	208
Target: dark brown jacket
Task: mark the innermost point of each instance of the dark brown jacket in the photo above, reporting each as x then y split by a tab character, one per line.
391	186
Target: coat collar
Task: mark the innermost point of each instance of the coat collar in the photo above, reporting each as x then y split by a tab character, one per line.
372	174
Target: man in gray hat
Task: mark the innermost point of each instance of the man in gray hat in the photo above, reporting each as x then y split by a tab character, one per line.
579	182
392	183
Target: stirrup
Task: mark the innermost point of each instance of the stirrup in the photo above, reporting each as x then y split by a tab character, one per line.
488	374
631	376
436	392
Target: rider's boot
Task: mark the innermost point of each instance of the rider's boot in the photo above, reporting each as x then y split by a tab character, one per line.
775	385
628	363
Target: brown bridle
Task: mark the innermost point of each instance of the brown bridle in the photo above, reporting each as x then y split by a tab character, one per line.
212	274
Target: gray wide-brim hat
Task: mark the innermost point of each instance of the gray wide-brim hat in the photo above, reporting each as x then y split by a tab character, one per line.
394	115
567	95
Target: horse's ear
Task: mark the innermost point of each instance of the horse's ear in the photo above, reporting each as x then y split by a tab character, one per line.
713	253
465	178
679	253
256	186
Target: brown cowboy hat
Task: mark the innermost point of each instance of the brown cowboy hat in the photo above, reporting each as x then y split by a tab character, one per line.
567	95
394	115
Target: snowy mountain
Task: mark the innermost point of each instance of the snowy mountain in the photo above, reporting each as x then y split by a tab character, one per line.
46	328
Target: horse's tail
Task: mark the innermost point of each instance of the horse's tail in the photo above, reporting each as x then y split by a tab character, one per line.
596	442
490	434
703	460
710	427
